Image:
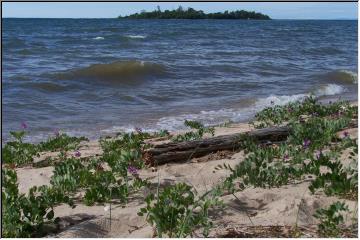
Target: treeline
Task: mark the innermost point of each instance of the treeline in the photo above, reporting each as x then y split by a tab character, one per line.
190	13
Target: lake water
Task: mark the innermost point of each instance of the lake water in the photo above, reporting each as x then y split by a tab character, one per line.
93	77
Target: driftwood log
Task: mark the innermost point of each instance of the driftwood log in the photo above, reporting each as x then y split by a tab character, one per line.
182	151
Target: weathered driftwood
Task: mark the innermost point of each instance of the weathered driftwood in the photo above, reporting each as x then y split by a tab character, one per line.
175	152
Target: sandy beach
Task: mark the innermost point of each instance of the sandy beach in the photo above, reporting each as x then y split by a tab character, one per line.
290	205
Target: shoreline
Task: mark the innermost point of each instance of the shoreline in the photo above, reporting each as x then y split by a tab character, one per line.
113	130
267	206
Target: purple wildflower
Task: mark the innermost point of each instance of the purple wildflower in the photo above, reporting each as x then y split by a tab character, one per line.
286	157
272	102
318	154
24	125
346	134
306	143
138	130
57	132
133	170
77	154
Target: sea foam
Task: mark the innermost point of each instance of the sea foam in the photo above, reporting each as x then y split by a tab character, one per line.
136	36
98	38
329	89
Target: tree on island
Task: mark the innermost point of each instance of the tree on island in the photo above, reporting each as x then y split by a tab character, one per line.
191	13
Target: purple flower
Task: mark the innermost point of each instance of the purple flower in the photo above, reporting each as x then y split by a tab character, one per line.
24	125
301	119
133	170
318	154
315	114
57	132
272	102
286	157
138	130
346	134
306	143
77	154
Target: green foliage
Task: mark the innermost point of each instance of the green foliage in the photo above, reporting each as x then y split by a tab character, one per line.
20	153
61	142
296	111
119	154
337	180
301	154
264	167
25	215
331	219
69	175
319	131
17	152
194	135
191	13
176	212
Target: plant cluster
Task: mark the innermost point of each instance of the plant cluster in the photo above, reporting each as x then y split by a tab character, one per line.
25	215
299	110
20	153
198	132
302	153
114	175
331	219
177	212
61	141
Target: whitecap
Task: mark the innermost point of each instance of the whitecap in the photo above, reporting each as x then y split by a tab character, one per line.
136	36
214	117
98	38
329	89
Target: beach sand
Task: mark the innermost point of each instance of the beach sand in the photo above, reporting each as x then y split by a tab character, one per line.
289	205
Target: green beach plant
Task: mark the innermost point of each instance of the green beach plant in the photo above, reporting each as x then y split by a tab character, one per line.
198	133
25	215
301	154
331	219
61	142
175	211
18	152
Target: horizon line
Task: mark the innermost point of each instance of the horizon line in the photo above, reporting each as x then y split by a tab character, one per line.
351	19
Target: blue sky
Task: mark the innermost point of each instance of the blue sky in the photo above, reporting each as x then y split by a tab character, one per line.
109	10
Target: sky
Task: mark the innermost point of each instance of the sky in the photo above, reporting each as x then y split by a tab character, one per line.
275	10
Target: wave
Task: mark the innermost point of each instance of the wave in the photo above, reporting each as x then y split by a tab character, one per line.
174	123
115	72
98	38
329	89
322	51
48	86
214	117
242	114
340	76
136	36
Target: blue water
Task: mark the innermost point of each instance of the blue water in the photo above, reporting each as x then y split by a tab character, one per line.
96	76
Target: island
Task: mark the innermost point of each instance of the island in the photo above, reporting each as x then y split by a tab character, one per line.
190	13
